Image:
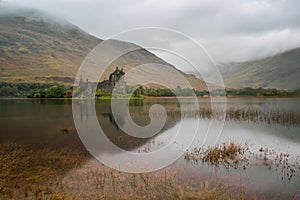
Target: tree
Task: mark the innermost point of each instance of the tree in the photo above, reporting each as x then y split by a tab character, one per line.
8	91
55	91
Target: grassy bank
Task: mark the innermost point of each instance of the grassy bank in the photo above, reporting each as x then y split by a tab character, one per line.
29	172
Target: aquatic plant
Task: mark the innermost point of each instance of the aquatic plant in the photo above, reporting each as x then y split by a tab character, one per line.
230	154
286	165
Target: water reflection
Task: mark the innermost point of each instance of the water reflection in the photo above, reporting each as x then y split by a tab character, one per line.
38	122
139	112
97	137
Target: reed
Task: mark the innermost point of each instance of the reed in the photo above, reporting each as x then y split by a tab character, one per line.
229	155
29	172
232	155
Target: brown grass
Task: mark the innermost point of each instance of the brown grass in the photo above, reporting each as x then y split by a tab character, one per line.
43	173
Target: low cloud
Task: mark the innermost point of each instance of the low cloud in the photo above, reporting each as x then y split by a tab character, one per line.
248	47
230	30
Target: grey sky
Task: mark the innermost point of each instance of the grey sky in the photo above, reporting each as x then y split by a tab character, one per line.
232	30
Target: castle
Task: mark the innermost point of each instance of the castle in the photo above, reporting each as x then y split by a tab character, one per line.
116	80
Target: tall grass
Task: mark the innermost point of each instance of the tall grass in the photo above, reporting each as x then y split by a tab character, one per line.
232	155
45	173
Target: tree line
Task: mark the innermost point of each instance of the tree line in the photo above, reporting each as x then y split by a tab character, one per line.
164	92
35	90
55	90
262	92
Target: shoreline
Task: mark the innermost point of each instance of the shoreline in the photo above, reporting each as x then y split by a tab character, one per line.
72	162
150	97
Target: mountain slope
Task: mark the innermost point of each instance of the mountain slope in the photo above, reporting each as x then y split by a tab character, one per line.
37	48
280	71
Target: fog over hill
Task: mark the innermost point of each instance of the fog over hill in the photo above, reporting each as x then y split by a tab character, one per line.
279	71
36	47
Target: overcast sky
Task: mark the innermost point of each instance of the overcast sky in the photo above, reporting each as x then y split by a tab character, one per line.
231	30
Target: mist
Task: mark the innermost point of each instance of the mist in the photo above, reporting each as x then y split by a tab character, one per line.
230	31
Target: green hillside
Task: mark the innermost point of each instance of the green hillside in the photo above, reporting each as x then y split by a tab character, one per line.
37	48
280	71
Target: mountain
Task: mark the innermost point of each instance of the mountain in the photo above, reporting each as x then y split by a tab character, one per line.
35	47
281	71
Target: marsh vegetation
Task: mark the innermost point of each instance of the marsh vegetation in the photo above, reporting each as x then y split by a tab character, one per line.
29	172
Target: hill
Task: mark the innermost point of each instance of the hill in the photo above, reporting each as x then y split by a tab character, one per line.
281	71
35	47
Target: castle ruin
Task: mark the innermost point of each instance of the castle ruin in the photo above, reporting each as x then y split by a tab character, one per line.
116	80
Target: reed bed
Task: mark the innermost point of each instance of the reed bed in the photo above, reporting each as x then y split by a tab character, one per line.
232	155
270	117
287	165
255	115
229	155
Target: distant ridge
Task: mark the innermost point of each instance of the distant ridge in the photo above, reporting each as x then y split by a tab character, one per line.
281	71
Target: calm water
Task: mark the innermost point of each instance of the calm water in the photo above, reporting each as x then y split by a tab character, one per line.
41	122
